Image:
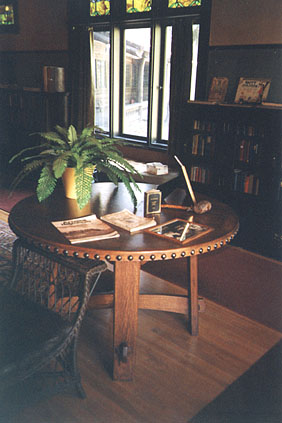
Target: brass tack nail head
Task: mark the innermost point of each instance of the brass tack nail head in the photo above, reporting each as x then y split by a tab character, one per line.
86	255
119	258
209	248
173	255
192	252
221	243
141	258
66	253
56	250
97	257
152	257
163	256
130	258
200	250
183	254
108	257
215	246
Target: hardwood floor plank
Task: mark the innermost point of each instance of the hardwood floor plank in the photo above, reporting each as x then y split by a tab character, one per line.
175	376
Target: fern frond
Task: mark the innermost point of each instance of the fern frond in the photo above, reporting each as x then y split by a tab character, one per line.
46	184
59	166
72	135
26	170
22	152
115	173
87	132
52	136
62	131
83	184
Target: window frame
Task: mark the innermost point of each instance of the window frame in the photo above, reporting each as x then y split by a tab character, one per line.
116	22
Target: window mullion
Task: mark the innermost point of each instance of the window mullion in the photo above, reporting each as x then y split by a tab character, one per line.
115	81
155	87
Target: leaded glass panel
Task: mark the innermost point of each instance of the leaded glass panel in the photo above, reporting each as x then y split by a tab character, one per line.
136	6
183	3
7	14
99	7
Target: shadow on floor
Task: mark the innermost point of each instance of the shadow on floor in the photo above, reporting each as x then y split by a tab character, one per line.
256	397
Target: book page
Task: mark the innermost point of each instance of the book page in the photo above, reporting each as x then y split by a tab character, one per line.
84	229
129	221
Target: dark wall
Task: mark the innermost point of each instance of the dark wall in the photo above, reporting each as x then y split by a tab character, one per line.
250	62
25	68
42	40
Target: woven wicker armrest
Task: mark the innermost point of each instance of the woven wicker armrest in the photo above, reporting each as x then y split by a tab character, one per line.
41	313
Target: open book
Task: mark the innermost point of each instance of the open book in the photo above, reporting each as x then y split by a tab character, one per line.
129	221
85	229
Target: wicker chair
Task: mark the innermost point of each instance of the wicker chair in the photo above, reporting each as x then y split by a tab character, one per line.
40	316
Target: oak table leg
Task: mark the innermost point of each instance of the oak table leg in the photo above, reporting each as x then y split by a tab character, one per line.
126	295
193	307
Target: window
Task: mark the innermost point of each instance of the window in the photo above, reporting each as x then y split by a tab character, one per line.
8	16
135	96
131	64
99	7
183	3
101	77
136	6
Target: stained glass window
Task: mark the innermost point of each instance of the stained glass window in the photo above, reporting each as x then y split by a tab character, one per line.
136	6
183	3
99	7
7	14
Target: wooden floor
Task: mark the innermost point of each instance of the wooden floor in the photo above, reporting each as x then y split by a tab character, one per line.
176	375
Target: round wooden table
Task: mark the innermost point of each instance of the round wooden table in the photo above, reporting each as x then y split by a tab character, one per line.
31	221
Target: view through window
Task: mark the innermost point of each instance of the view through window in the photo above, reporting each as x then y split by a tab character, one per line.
132	86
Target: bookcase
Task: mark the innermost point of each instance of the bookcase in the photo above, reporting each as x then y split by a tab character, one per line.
233	153
25	111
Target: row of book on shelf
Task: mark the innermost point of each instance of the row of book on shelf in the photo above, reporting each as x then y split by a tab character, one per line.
200	174
246	182
90	228
237	128
248	151
203	125
203	145
243	181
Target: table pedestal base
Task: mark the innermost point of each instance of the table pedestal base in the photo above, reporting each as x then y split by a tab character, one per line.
126	300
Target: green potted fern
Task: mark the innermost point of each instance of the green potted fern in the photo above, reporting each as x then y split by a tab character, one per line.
65	151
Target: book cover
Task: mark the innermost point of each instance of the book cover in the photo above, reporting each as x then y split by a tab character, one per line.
218	89
128	221
85	229
179	230
251	90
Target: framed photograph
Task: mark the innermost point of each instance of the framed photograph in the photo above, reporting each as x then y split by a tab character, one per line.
179	230
251	90
9	16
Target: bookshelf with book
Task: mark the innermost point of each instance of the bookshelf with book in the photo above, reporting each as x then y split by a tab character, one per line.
233	153
25	111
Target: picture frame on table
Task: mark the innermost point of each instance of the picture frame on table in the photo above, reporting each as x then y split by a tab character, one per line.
179	230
